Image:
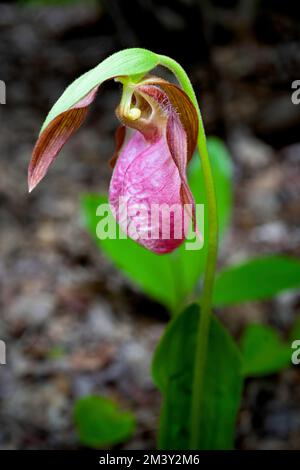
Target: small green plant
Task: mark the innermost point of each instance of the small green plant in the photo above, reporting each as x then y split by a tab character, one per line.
100	423
197	366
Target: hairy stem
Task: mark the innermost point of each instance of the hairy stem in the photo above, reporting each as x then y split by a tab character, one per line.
212	251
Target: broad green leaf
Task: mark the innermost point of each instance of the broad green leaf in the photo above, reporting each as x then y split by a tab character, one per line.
153	273
256	279
295	333
192	263
263	351
100	422
170	279
127	62
172	370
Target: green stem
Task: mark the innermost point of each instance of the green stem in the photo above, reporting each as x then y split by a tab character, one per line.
212	251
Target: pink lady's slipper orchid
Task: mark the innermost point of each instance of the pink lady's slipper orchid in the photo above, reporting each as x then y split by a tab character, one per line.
153	146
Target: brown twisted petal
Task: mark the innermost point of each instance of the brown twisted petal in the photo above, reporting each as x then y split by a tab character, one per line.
120	135
56	134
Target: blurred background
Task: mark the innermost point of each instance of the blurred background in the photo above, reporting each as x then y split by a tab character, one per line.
72	323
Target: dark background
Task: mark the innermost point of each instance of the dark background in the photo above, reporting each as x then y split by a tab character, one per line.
72	323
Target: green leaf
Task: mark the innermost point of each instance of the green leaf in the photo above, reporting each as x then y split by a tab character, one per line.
263	351
256	279
173	368
100	422
179	271
153	273
295	333
127	62
222	173
192	263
